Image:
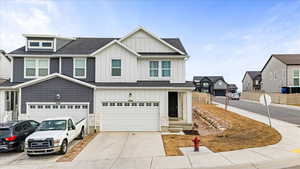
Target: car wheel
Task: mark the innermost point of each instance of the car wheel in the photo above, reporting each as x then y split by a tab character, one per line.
21	147
64	147
82	133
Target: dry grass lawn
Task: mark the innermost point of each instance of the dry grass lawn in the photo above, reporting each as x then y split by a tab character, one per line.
244	133
76	149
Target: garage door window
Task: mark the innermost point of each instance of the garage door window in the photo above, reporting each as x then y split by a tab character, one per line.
104	104
47	106
119	104
70	107
40	106
111	104
156	104
141	104
148	104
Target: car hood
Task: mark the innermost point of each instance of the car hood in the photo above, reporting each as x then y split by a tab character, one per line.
46	134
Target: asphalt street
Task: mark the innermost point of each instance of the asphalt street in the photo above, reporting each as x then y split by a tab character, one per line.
280	113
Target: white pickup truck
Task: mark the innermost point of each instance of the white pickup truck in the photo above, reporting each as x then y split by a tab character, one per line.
54	135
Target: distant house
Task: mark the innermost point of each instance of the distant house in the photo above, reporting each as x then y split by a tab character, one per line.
281	70
232	88
215	85
5	65
252	81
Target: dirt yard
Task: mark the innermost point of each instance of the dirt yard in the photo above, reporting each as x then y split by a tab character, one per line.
242	133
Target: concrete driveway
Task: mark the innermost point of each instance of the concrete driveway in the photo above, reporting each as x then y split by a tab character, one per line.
117	147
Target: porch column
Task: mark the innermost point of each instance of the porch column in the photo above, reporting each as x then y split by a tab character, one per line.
189	112
2	105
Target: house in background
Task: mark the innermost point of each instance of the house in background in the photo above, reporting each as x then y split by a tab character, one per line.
281	70
232	88
252	81
215	85
133	83
5	66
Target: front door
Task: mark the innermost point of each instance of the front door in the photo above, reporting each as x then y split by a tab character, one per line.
173	104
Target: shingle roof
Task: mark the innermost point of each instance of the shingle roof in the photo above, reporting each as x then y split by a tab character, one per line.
89	45
212	78
289	59
253	74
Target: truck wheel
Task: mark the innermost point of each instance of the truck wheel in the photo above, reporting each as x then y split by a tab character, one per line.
21	147
64	147
81	135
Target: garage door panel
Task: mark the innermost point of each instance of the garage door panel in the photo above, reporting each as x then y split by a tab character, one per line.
132	125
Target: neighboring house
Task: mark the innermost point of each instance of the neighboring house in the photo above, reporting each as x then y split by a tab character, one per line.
5	65
252	81
214	85
133	83
232	88
281	70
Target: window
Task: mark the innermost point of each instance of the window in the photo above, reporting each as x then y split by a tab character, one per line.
62	106
111	104
70	107
119	104
40	106
47	107
133	104
55	107
205	84
77	106
79	67
40	44
84	106
32	106
296	77
148	104
104	104
141	104
166	68
116	67
36	68
127	104
156	104
34	124
154	68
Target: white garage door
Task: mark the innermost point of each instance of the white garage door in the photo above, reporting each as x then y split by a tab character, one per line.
130	116
40	112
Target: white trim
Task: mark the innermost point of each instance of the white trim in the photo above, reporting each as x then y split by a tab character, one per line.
85	68
54	45
142	88
59	65
46	103
59	55
47	36
111	43
12	70
154	36
40	44
36	67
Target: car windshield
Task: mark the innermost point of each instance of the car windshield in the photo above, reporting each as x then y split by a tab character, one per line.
52	125
4	132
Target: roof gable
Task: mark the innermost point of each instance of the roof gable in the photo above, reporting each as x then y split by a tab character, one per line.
142	33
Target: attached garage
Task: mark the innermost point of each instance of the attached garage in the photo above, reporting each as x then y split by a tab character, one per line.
130	116
42	111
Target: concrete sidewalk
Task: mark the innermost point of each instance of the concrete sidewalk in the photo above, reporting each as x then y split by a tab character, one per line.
278	156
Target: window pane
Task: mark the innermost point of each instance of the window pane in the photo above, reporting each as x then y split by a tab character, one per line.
43	63
166	73
116	63
153	73
46	44
166	64
154	64
79	63
30	72
296	81
34	44
30	63
296	73
116	72
43	72
79	72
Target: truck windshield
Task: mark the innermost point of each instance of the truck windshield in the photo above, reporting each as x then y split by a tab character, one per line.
52	125
4	132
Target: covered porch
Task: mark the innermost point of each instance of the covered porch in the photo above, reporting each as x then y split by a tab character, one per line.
9	105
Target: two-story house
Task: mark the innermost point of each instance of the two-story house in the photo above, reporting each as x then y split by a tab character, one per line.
215	85
281	70
251	81
133	83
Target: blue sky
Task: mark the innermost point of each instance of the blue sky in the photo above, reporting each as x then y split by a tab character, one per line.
223	37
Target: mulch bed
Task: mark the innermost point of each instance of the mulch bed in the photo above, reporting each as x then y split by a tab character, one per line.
76	149
243	133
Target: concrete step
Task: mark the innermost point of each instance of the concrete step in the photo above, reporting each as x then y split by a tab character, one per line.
182	126
175	130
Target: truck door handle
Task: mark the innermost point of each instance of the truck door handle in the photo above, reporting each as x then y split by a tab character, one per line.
67	134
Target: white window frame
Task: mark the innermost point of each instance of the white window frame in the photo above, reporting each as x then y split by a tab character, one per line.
116	68
162	69
40	44
150	69
36	60
74	68
294	77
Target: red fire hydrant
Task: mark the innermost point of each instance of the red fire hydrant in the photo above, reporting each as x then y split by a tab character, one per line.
196	142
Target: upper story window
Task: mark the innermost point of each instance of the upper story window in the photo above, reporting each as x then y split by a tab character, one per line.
116	67
296	77
34	68
79	67
40	44
166	68
154	68
205	84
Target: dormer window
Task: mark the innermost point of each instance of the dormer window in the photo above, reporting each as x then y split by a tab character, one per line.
40	44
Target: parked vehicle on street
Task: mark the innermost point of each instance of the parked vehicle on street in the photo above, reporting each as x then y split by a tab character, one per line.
14	133
234	96
54	136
